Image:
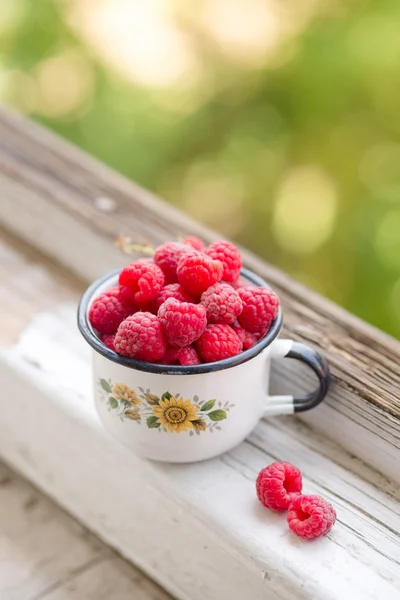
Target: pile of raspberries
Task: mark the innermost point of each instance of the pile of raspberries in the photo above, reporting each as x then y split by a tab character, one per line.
279	487
187	306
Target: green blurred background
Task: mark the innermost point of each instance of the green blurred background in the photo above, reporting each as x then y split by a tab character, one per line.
275	121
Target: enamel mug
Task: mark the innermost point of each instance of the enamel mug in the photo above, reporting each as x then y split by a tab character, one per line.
190	413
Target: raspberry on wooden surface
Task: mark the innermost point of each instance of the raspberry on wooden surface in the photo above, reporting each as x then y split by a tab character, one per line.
222	302
108	310
230	257
218	342
140	336
172	290
310	517
182	322
141	281
278	484
197	272
167	257
260	307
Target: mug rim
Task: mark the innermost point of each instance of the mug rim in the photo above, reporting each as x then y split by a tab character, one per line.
88	333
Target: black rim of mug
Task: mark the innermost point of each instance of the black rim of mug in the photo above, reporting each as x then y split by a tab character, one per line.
88	333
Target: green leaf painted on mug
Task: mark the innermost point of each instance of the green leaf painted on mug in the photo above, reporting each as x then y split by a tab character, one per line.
105	385
113	402
166	396
208	405
217	415
152	423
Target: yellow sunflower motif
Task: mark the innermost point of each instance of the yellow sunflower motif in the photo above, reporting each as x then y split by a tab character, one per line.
123	392
176	414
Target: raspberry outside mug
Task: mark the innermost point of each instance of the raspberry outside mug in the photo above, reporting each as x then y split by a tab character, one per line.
190	413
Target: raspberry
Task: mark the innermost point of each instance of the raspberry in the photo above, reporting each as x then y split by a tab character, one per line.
247	338
222	302
181	356
197	272
108	310
194	242
189	356
310	517
182	322
260	307
230	257
243	282
141	281
278	484
167	257
108	340
172	290
250	339
140	336
239	330
218	342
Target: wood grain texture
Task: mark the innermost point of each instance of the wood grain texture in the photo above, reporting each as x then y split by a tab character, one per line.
45	555
29	283
197	529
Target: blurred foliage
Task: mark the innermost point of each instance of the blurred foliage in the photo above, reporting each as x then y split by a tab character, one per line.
275	122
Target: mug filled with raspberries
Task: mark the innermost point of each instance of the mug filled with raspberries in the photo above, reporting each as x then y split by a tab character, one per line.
182	349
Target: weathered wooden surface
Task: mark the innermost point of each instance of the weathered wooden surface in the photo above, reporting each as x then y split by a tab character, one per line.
29	283
54	196
197	529
45	555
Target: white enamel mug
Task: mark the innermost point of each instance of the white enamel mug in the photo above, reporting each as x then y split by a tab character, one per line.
177	413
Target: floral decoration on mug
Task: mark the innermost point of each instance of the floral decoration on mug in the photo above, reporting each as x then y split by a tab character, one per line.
168	413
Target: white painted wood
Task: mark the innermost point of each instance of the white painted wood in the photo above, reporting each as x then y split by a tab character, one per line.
197	529
44	554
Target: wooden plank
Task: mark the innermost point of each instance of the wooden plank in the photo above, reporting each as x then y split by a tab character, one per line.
45	554
53	196
30	283
197	529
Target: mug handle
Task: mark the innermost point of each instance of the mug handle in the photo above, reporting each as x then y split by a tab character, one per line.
284	405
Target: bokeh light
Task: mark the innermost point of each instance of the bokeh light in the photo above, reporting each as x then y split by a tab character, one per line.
64	83
393	306
245	30
275	122
305	210
388	240
140	39
380	171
